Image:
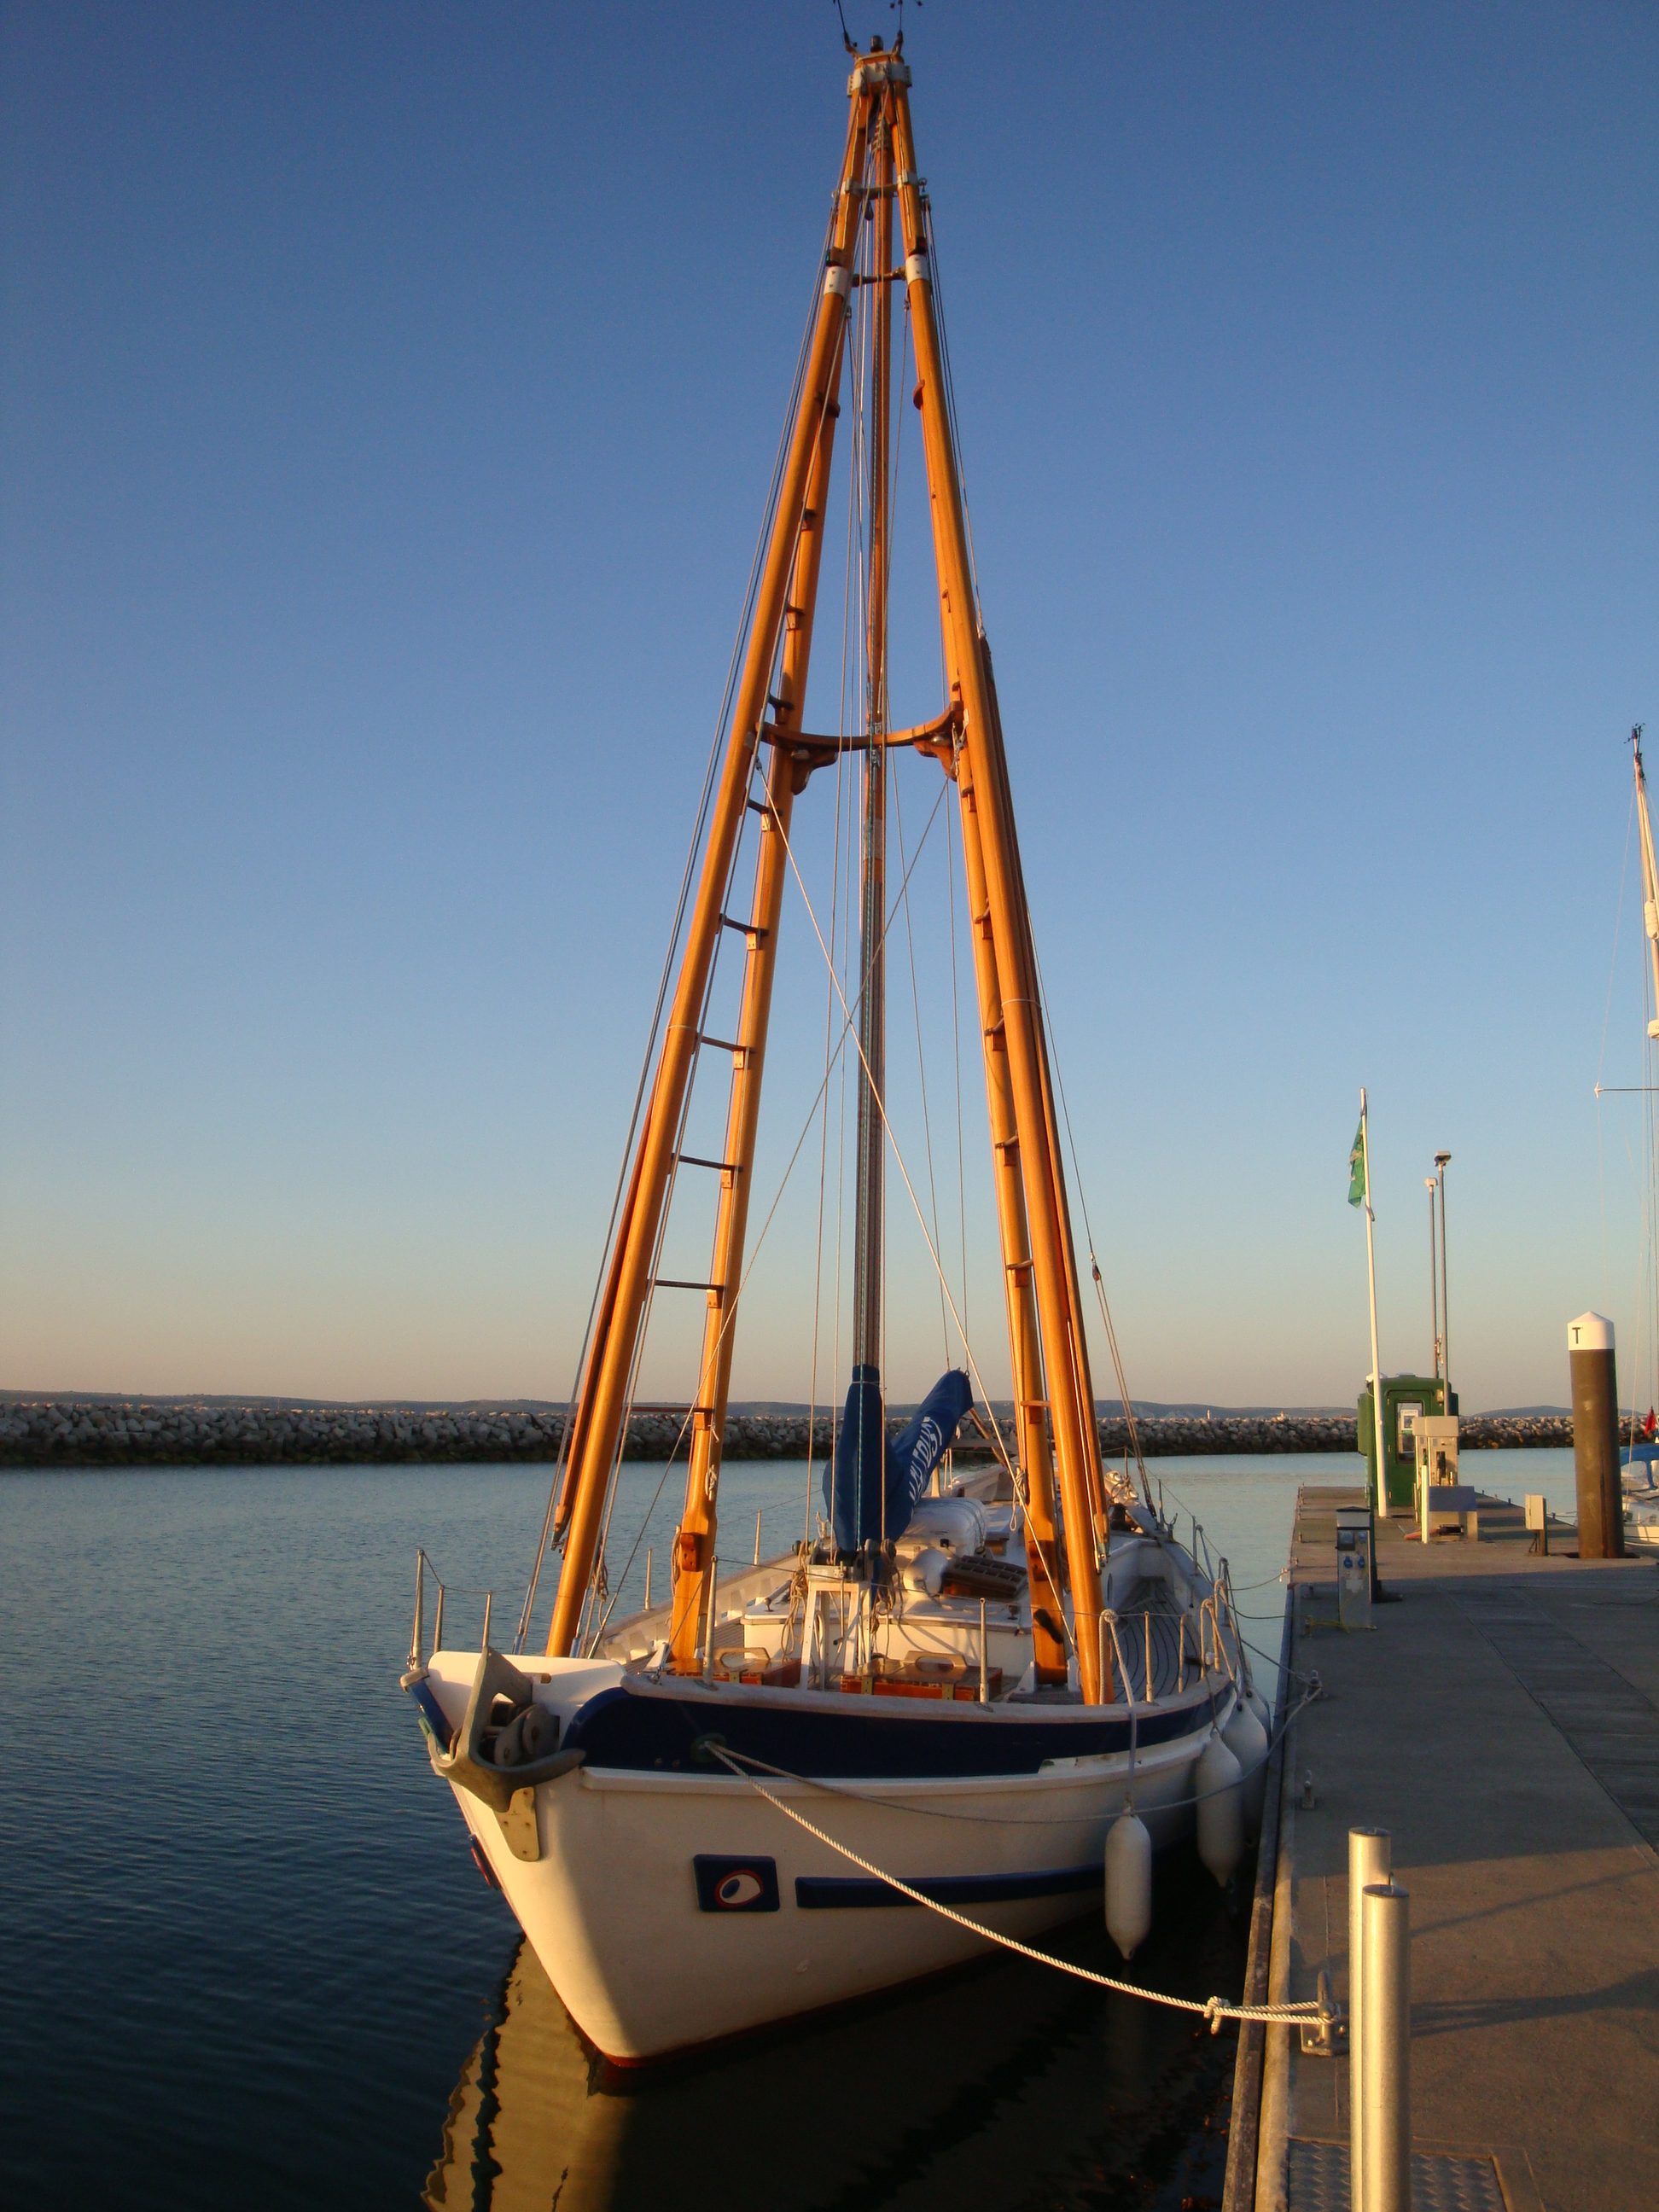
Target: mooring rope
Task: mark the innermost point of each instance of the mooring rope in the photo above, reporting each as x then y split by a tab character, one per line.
863	1797
1214	2009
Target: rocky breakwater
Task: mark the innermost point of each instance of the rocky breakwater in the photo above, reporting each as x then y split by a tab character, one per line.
60	1433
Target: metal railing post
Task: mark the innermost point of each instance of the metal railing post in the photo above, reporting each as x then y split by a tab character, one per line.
1385	2085
646	1608
420	1606
483	1641
984	1664
759	1510
1371	1859
438	1621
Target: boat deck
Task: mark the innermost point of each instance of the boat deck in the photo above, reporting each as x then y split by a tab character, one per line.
1501	1721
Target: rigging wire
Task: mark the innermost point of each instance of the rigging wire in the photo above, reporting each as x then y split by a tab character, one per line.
820	1095
956	1039
922	1072
1000	1442
1601	1057
722	720
1130	1423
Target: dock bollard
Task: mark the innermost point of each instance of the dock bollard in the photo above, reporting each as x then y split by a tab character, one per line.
1595	1437
1385	2083
1371	1860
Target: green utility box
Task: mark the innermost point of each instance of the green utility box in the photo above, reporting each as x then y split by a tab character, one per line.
1406	1398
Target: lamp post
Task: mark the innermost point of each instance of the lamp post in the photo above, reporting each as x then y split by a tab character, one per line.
1430	1186
1442	1162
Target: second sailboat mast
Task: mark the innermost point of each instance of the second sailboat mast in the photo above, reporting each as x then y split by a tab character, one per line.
873	1003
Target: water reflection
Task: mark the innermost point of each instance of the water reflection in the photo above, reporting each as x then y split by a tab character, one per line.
1000	2083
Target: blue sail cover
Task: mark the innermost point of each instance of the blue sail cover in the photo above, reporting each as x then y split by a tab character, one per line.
921	1444
870	1486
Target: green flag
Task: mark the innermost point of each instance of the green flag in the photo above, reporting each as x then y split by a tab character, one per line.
1357	1191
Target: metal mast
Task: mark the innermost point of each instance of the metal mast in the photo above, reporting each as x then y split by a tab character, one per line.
872	1004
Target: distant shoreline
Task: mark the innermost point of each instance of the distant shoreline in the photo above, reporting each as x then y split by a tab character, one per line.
149	1432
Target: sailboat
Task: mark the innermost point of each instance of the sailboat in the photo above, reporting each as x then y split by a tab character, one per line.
909	1735
1639	1456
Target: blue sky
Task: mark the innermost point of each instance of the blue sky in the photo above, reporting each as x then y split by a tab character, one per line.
390	394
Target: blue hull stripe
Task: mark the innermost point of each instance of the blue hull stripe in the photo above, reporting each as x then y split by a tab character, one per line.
826	1893
863	1738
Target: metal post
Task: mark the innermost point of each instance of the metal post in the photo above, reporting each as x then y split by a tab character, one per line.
483	1641
1442	1162
1380	1496
1147	1619
708	1623
1371	1859
646	1608
1385	2082
1434	1280
759	1509
420	1606
984	1668
438	1621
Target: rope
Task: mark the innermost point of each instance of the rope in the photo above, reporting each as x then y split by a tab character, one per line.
1003	1820
1214	2009
898	1157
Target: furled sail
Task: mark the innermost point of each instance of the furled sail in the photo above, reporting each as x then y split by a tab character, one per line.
872	1485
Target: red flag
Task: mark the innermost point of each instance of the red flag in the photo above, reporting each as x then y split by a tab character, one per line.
1650	1425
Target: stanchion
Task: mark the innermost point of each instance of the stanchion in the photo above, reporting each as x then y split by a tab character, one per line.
1385	2083
1371	1859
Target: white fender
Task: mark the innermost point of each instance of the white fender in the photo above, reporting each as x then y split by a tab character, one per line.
1221	1813
1247	1739
1128	1882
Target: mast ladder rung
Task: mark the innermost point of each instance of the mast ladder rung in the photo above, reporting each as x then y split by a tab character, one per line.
721	1044
761	806
753	931
696	1160
677	1283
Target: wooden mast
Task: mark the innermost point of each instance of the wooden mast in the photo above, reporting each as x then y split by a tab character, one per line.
616	1342
985	784
1650	874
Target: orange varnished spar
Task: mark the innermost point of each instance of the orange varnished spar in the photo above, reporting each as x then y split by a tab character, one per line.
694	1544
1077	1442
611	1359
1082	1381
1025	1344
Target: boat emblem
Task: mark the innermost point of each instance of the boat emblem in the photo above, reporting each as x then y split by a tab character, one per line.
730	1885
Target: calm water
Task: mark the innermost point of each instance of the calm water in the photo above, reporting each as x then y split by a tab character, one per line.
246	1958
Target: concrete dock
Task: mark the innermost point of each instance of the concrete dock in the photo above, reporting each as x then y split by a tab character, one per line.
1501	1721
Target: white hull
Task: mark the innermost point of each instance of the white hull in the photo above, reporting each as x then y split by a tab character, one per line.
612	1907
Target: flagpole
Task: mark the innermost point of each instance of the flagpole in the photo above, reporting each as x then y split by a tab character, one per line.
1382	1499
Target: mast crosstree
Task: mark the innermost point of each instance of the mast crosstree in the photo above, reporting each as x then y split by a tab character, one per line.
1056	1428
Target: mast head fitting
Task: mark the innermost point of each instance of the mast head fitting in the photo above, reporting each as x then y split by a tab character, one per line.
877	68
